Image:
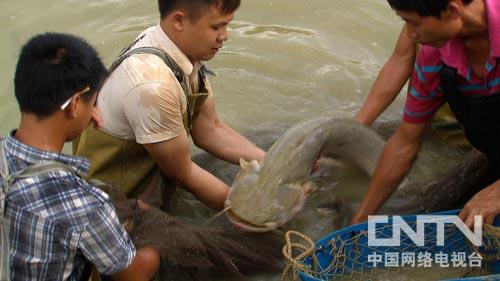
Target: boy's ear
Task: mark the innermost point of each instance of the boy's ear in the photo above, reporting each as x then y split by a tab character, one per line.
74	106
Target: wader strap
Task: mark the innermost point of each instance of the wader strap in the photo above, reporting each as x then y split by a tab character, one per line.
448	75
478	115
176	69
8	180
449	86
127	52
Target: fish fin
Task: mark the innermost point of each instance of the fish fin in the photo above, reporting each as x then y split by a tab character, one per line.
243	163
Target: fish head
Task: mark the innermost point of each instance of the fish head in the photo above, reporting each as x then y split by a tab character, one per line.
244	185
257	205
241	195
247	178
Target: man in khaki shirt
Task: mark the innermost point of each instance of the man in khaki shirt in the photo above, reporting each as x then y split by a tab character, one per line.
147	116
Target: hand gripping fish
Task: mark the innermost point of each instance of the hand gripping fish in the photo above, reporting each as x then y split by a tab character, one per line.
266	195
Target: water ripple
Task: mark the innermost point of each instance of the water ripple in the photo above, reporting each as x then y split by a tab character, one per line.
246	28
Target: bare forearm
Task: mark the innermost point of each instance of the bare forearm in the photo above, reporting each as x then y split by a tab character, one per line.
394	164
389	83
227	144
390	80
203	185
174	159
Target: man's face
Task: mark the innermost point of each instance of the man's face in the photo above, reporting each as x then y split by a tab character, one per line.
430	30
205	36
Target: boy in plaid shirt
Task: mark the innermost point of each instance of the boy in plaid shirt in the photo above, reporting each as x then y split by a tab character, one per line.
58	222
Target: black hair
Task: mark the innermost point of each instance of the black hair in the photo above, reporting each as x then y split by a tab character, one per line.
423	8
51	68
195	7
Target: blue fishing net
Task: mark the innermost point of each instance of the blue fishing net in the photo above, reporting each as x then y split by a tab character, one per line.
348	255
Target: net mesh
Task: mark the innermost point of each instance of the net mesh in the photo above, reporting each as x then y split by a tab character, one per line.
198	252
347	256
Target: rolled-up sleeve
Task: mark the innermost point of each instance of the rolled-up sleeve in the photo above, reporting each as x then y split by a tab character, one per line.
105	243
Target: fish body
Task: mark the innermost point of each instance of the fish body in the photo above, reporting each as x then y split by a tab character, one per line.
443	191
266	195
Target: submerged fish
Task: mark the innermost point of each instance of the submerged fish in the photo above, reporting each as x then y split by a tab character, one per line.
444	190
441	192
266	195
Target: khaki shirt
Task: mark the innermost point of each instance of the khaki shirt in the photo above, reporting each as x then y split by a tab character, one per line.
142	100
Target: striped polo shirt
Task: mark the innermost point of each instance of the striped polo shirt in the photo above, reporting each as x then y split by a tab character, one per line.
426	95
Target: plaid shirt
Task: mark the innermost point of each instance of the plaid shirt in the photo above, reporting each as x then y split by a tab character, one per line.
57	221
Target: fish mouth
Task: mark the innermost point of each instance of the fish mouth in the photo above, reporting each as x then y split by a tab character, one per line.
247	226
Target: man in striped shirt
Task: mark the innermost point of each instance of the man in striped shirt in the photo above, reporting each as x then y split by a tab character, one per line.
458	63
58	222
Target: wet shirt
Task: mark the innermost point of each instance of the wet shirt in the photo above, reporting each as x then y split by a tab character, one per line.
57	220
426	95
142	100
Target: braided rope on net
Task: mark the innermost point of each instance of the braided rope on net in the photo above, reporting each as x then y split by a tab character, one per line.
295	263
490	251
349	252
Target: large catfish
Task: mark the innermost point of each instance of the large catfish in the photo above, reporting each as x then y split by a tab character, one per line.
266	195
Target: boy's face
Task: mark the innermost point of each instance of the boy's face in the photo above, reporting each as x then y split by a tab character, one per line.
205	36
430	30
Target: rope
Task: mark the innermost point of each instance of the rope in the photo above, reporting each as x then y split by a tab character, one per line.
295	262
491	231
490	251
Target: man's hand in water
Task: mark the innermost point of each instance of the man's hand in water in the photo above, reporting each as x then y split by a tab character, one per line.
485	203
359	218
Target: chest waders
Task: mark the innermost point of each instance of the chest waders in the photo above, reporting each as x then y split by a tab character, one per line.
125	163
8	179
478	115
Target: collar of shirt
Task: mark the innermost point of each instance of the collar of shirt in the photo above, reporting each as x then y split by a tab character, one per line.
34	155
166	44
453	53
